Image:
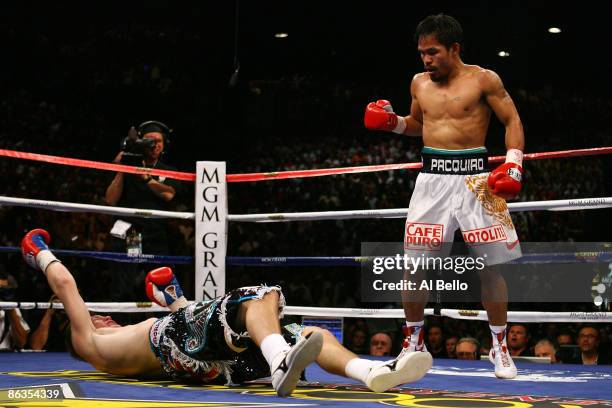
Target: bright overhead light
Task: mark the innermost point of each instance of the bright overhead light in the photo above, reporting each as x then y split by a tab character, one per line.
554	30
281	35
503	54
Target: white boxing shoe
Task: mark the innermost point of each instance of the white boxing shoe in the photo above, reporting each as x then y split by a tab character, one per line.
288	366
500	357
409	366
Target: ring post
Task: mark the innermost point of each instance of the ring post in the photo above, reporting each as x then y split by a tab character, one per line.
210	229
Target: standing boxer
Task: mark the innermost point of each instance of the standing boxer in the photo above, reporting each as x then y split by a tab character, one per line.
451	109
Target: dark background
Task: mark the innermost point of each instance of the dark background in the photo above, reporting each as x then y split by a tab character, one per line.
82	52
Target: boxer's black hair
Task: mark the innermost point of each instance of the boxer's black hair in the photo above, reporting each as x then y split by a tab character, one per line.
446	29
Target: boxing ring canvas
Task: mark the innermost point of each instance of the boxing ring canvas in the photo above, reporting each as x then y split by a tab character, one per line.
450	383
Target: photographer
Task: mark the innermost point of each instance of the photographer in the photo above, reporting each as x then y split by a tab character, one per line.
143	146
13	328
50	334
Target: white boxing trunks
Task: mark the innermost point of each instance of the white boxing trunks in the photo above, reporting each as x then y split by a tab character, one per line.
451	193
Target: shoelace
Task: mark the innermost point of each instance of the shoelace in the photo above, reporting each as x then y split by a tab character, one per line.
503	350
503	355
408	332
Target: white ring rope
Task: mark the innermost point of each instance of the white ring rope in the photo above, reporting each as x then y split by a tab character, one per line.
101	209
523	317
99	307
551	205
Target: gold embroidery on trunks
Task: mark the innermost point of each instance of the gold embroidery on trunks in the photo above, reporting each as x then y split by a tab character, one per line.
492	204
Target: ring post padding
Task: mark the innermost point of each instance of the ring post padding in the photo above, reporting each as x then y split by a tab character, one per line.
210	230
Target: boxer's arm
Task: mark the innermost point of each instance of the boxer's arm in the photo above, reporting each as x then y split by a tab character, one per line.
502	105
379	115
505	180
64	286
414	121
37	255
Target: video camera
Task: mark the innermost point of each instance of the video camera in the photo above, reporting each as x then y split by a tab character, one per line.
134	145
133	150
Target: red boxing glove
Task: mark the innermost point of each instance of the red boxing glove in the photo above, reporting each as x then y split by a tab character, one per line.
380	116
162	287
35	251
505	180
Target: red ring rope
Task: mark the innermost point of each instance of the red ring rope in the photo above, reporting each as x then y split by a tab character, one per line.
239	178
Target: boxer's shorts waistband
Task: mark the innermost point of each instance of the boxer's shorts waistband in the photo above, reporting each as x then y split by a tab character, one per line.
462	162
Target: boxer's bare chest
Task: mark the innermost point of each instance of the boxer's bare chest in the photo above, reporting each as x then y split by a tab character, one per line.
463	98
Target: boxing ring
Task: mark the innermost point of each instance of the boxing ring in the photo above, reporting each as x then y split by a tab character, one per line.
55	379
450	383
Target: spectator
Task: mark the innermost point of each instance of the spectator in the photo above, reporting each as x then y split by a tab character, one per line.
358	342
355	324
381	344
49	335
485	345
518	340
546	348
467	348
451	344
435	342
588	341
13	328
565	338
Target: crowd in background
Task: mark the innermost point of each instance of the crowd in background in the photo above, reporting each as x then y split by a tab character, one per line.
456	339
296	122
